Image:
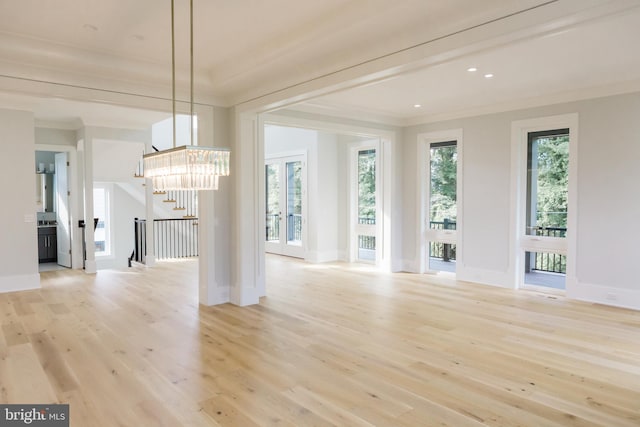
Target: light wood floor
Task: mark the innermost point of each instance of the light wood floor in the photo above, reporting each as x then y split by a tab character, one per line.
331	345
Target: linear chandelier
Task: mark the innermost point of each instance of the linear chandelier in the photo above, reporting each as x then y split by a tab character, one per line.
187	167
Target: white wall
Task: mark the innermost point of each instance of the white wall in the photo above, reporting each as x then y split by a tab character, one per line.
608	208
124	208
327	196
51	136
18	245
116	161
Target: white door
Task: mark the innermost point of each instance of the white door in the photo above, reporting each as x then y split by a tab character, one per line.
63	216
365	203
285	193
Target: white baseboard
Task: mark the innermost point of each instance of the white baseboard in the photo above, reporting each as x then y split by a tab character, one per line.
607	295
90	267
22	282
244	296
397	265
502	279
322	256
409	266
220	295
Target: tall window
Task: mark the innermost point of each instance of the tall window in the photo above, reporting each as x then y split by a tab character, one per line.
547	183
443	197
443	210
101	211
367	203
546	210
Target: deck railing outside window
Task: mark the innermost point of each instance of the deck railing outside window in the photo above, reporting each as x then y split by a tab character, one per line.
548	262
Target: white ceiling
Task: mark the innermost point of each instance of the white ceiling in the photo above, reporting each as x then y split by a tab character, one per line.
596	58
248	48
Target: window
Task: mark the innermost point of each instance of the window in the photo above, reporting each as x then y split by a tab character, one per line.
367	204
443	207
102	211
547	183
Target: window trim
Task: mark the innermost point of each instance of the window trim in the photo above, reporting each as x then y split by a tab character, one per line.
520	130
423	189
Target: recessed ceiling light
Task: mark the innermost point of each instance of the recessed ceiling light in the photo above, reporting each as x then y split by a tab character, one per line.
417	105
472	69
138	37
488	76
90	27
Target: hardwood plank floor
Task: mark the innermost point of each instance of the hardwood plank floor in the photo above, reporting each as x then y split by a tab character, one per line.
332	344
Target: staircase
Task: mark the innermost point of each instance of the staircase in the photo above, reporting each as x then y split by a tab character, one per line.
185	202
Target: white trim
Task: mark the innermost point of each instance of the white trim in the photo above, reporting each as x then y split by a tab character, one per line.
328	126
323	256
423	189
21	282
519	137
502	279
608	295
90	266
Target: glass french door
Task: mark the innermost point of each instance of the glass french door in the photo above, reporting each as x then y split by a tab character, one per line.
284	203
442	205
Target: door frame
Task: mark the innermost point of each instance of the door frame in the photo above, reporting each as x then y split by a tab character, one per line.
391	181
284	248
520	243
423	196
75	201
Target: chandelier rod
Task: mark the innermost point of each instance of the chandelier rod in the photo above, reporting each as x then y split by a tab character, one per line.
191	69
173	71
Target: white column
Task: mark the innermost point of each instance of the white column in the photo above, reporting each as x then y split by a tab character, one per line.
213	214
90	248
149	200
248	280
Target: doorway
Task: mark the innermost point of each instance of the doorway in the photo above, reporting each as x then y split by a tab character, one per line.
53	210
285	193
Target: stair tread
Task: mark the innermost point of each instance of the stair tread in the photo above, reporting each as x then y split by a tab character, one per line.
169	201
